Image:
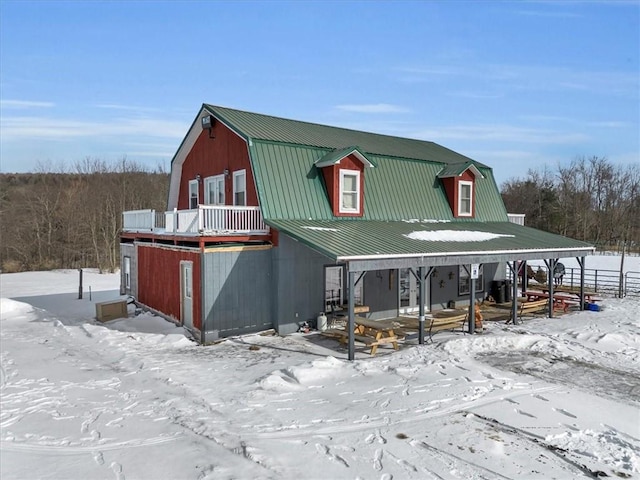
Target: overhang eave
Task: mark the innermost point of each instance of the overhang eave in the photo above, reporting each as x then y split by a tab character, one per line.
388	262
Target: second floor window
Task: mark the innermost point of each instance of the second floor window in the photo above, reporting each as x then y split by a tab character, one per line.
349	191
193	194
240	187
465	197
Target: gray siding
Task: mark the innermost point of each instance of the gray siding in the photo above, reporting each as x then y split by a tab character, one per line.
298	284
443	293
129	250
236	292
381	293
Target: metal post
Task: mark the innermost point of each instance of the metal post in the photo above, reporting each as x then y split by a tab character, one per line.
421	282
351	320
80	285
472	302
581	263
551	268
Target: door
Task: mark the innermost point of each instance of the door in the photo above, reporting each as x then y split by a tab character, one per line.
214	190
186	294
409	293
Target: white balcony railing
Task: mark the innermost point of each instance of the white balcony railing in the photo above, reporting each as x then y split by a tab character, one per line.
204	220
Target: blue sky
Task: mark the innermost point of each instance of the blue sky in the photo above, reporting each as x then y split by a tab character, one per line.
513	84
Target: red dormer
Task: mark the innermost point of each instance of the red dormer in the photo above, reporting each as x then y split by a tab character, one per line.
343	172
459	181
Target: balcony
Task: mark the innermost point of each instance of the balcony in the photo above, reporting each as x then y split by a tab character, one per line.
206	220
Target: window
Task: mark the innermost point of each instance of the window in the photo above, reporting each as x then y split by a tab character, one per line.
465	195
193	194
240	187
335	292
349	191
464	280
214	190
127	273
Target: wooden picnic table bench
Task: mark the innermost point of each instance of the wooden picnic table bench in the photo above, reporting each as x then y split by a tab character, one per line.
560	302
370	332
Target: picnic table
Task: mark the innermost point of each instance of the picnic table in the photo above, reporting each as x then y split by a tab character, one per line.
370	332
560	302
589	296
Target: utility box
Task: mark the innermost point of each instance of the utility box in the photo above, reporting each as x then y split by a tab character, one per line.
111	310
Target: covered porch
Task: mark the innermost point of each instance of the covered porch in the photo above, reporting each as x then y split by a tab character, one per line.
363	247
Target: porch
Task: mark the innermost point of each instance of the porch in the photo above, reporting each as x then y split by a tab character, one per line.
206	220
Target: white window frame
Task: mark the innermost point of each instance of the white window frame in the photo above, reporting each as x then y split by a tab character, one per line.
236	174
464	280
461	212
127	272
217	181
193	187
342	208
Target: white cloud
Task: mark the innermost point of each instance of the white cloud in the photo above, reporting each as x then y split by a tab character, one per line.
372	108
21	128
502	133
25	104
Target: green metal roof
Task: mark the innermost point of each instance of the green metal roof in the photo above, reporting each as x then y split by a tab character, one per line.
290	186
371	240
457	169
265	127
336	155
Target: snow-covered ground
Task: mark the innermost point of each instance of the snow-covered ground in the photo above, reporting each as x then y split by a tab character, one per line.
135	399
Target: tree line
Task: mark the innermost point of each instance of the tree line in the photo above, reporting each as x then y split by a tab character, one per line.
589	199
71	218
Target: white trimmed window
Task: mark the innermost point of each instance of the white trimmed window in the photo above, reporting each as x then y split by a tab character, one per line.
240	187
349	191
127	273
214	190
465	198
193	194
464	280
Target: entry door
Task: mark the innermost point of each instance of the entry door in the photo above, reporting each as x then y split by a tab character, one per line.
186	294
409	293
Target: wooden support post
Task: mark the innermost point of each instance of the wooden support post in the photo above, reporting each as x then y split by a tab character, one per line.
472	304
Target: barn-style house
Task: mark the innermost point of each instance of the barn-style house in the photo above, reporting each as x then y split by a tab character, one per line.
270	221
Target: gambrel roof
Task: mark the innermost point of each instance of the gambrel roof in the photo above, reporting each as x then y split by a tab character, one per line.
404	190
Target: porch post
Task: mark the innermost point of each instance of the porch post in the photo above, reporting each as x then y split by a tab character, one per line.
551	266
514	298
421	283
472	302
351	320
581	263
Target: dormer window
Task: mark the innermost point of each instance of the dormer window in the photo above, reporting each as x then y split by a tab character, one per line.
343	173
465	198
459	181
349	191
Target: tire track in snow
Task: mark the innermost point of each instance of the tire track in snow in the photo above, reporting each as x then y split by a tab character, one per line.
301	431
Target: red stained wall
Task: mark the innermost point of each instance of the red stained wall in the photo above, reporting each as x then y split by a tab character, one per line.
159	280
451	188
332	181
210	156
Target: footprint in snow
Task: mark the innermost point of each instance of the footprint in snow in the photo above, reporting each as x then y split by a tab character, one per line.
526	414
98	458
540	397
377	459
564	412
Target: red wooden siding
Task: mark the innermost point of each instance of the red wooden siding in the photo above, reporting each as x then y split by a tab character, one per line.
451	188
331	176
159	280
211	156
